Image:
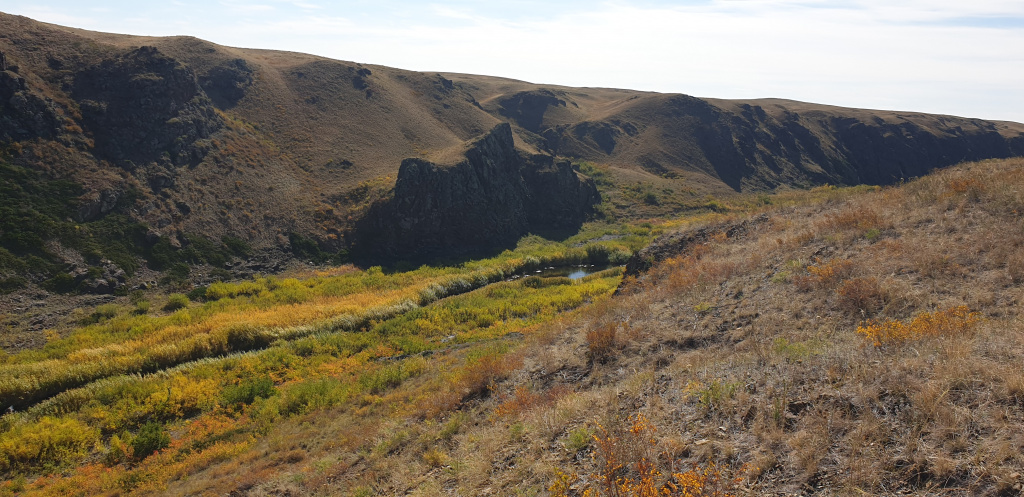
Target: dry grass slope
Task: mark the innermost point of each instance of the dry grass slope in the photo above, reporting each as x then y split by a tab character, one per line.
759	377
733	368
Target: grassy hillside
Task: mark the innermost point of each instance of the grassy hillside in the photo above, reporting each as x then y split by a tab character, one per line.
846	342
192	139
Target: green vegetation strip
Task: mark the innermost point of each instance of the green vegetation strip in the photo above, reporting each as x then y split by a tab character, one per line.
321	370
144	344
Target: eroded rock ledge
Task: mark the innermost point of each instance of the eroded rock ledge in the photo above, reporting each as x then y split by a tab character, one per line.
485	201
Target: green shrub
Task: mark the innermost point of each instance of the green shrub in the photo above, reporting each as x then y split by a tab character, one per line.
389	376
61	283
198	293
219	274
312	395
14	283
151	438
237	245
177	273
578	440
117	453
176	301
306	248
100	314
248	391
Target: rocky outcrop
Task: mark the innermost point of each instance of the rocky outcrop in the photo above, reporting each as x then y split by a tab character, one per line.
754	149
485	201
24	115
559	199
145	107
527	108
227	83
97	205
760	145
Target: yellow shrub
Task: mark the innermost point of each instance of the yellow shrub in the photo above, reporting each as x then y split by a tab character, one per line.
955	321
824	274
49	441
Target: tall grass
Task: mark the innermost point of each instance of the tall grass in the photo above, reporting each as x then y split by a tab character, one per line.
246	316
286	372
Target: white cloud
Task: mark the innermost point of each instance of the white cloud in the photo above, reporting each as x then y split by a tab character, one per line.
945	56
303	5
247	7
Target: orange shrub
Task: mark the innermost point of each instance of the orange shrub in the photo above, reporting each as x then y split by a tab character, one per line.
955	322
823	275
860	295
601	341
628	467
970	188
474	379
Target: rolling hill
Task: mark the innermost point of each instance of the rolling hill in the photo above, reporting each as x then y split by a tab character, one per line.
192	139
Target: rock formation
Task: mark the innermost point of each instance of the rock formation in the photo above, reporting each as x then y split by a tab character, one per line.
485	201
145	107
23	113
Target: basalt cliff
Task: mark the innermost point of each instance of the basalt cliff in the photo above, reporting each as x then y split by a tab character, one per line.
486	199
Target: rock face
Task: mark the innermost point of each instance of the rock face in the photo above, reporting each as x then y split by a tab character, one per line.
23	114
558	199
145	107
488	200
527	108
226	84
763	144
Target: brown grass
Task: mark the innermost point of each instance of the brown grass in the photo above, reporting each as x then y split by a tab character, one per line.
745	374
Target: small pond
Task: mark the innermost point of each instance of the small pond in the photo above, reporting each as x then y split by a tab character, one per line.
572	272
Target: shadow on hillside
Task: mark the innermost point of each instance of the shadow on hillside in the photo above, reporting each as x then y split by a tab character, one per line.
395	264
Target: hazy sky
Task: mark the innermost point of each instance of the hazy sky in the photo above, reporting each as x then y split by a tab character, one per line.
955	57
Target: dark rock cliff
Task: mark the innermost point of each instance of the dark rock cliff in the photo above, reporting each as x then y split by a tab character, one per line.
145	107
23	114
486	201
750	146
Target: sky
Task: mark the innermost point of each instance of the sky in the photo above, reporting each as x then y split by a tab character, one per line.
957	57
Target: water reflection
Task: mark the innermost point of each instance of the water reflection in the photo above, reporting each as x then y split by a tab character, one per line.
572	272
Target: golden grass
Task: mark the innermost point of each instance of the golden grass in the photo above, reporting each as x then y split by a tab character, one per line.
340	370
